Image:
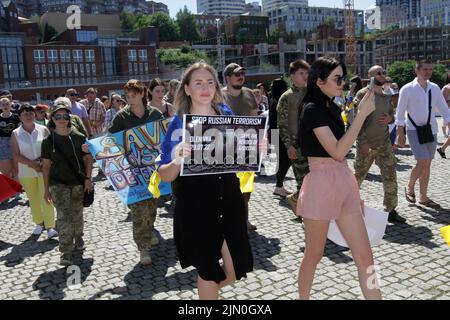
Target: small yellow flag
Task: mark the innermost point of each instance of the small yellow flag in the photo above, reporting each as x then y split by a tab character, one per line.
446	234
247	181
153	185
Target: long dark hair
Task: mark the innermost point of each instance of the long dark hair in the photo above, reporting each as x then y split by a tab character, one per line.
321	69
278	87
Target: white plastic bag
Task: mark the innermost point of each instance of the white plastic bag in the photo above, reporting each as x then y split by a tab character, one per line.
376	221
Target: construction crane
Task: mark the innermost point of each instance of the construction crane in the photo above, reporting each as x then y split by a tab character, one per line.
350	41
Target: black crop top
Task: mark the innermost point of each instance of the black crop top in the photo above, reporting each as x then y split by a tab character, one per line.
316	116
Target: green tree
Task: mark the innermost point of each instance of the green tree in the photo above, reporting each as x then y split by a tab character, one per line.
48	33
127	21
168	29
439	74
402	72
181	58
187	26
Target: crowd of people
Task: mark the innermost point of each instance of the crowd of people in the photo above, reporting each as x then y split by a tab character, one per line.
43	147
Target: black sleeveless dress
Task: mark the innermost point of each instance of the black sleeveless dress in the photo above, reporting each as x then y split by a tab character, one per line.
210	210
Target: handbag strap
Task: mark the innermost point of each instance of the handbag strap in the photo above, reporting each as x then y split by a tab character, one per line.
75	170
429	111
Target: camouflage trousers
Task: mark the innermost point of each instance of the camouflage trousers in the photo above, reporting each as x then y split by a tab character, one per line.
68	201
143	216
301	169
385	159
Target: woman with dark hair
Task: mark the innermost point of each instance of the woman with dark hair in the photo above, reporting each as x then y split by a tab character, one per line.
156	94
67	175
355	86
330	191
278	87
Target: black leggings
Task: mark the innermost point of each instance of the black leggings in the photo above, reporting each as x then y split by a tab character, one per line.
284	163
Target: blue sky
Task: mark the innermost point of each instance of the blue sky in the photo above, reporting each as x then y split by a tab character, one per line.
176	5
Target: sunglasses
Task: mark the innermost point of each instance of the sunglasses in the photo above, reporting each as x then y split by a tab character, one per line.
61	117
381	73
339	80
74	94
27	110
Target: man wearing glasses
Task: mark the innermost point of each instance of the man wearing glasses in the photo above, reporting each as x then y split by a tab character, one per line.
79	110
373	143
243	103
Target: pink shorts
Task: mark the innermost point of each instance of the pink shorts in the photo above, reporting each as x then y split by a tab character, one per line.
329	191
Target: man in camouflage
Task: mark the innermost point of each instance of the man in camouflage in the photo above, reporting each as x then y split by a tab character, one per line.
373	143
288	109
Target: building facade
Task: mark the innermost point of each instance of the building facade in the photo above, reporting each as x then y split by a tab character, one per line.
300	19
411	8
271	5
221	7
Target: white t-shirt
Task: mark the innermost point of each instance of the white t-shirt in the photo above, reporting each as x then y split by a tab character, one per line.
30	148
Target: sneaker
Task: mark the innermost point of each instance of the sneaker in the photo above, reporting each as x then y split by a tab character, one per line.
79	244
66	259
292	202
442	153
155	240
145	258
282	192
38	230
51	233
394	217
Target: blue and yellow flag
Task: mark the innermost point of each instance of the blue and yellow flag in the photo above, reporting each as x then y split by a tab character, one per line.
445	231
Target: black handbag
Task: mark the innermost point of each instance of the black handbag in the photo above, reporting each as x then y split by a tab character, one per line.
424	133
88	198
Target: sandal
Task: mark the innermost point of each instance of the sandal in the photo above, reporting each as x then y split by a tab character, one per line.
410	197
430	204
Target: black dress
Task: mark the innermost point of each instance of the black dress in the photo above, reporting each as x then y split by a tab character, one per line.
210	210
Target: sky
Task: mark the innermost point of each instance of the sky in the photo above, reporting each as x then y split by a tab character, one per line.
176	5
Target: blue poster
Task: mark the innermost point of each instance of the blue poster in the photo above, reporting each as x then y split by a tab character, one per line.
127	158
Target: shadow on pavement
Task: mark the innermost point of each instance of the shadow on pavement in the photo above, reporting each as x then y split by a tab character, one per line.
5	245
30	247
51	285
408	234
264	248
143	282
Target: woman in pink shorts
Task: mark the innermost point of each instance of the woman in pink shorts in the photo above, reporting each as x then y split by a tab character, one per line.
330	190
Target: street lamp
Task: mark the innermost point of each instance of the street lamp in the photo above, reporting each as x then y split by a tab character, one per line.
220	64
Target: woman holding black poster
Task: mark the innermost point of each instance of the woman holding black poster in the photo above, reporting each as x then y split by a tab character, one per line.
209	222
322	197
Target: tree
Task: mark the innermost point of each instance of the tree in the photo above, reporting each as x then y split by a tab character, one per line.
403	72
127	21
181	58
187	26
48	33
168	29
439	74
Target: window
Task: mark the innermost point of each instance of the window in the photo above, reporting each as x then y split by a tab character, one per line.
88	70
57	70
86	36
37	69
50	70
63	70
52	55
39	56
143	55
132	55
130	68
90	55
81	70
146	67
67	55
135	68
94	70
77	55
69	70
62	55
141	68
44	70
75	70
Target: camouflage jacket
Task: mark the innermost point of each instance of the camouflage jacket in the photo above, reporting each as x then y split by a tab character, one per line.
288	112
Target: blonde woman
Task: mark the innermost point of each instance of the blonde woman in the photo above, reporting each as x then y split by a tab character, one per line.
210	222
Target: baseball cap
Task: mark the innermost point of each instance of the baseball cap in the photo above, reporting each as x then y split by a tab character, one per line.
60	106
232	68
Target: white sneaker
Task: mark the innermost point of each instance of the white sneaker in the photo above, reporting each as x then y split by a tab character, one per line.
51	233
38	230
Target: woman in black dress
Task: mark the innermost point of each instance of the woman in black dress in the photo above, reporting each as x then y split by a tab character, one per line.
209	222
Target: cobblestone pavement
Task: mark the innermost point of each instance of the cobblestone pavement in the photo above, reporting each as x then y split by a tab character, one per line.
413	260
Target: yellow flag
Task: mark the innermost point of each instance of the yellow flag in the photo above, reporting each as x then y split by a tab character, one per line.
153	185
446	234
247	181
